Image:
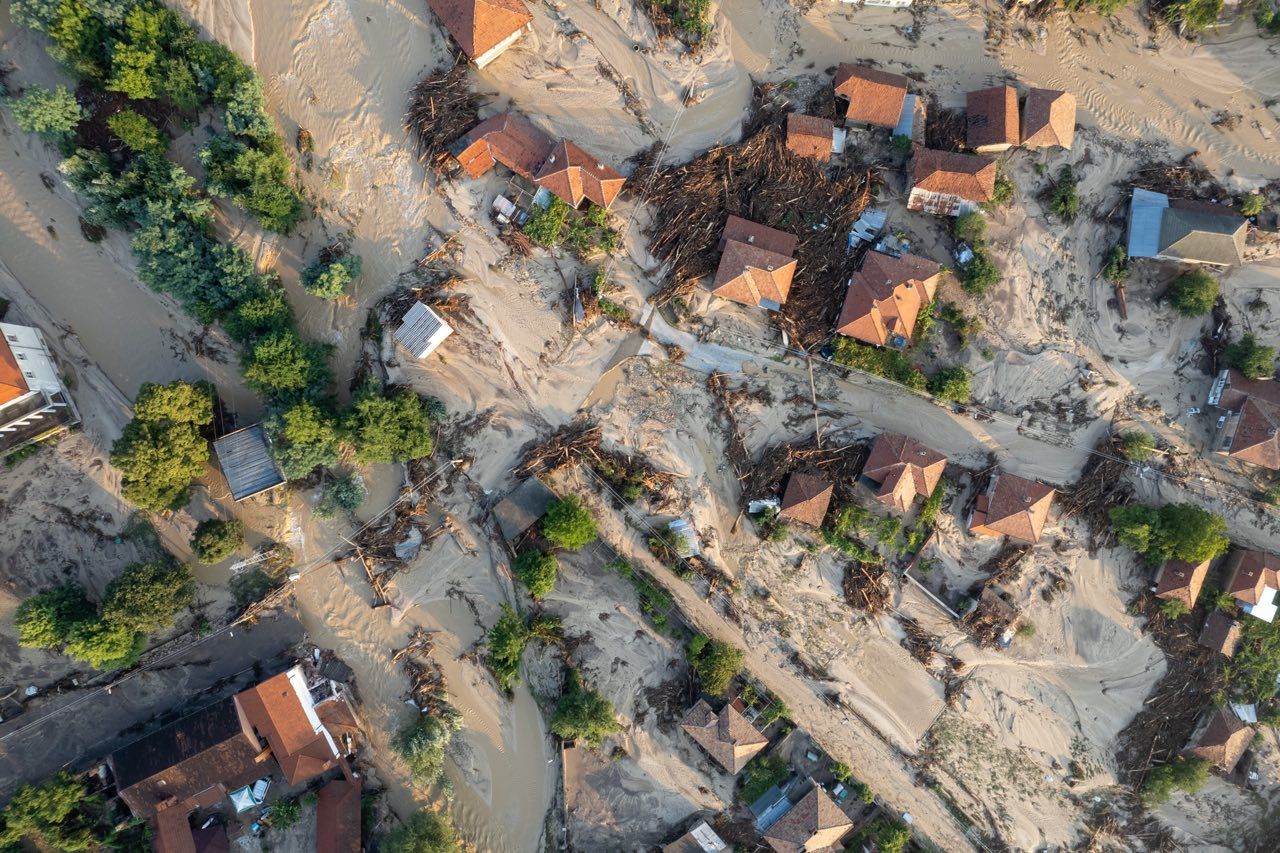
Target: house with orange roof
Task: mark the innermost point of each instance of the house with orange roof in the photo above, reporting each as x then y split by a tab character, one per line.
1253	580
1249	429
483	28
726	736
1222	740
33	402
814	823
885	297
875	98
1179	580
805	498
576	176
947	184
1048	119
903	470
810	136
756	264
1012	506
992	119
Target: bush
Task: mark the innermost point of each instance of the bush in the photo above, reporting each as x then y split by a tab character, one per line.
216	540
1193	293
979	274
330	281
284	813
1251	358
506	641
1252	672
1003	192
901	143
422	743
46	620
971	227
105	646
341	494
387	428
1172	532
1183	774
761	774
583	714
776	710
1174	608
1115	268
304	437
965	327
716	663
1137	445
951	385
1101	7
51	114
1065	199
1193	15
841	772
423	832
137	133
282	365
57	813
569	523
886	362
890	836
148	596
545	225
537	571
1253	204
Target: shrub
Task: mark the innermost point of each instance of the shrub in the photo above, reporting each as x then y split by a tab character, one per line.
52	114
951	385
1174	608
282	365
46	620
148	596
1172	532
330	281
1065	199
1003	192
1183	774
55	813
341	494
716	663
1252	672
1115	268
137	133
1101	7
889	363
506	641
841	771
971	227
1137	445
385	428
979	274
1253	204
901	143
284	813
422	743
105	646
1252	359
545	225
569	523
537	571
1193	293
890	836
776	711
863	792
583	713
423	832
1193	15
1026	630
304	437
965	327
761	774
216	540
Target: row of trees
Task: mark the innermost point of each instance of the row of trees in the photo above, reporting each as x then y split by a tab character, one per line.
1171	532
143	599
568	525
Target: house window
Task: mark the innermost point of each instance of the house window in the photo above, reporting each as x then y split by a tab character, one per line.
22	356
13	338
29	374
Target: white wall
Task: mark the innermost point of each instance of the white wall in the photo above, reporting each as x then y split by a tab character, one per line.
33	357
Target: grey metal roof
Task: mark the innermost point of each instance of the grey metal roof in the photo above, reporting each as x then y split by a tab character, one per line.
906	120
1199	235
521	509
1146	210
421	330
246	462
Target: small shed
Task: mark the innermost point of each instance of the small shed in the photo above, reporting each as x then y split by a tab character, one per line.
422	330
246	462
522	509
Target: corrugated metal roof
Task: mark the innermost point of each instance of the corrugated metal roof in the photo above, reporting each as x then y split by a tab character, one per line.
246	462
422	330
906	121
1146	211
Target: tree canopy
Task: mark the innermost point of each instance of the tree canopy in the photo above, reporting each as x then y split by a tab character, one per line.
56	813
147	596
422	742
583	714
282	365
980	273
329	281
158	462
1182	774
104	645
1193	293
51	114
569	523
715	661
46	620
215	540
1171	532
537	571
304	437
1251	358
392	427
951	385
1137	445
423	832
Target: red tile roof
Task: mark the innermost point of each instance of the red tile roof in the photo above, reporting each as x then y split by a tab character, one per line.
904	468
573	174
814	823
885	297
1224	741
1182	581
478	26
963	175
1257	436
875	97
809	136
1249	572
1220	633
338	817
12	383
507	138
1014	507
275	710
993	118
1049	119
756	264
727	737
805	499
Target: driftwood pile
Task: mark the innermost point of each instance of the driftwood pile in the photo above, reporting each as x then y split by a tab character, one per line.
1103	484
838	464
726	399
1005	566
442	108
866	587
427	687
563	448
993	616
1185	179
580	442
760	180
946	130
918	641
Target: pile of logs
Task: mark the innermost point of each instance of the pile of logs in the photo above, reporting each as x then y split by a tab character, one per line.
442	108
866	587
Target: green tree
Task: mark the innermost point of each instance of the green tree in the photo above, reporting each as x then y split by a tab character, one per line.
890	836
1003	192
51	114
1115	268
1193	293
46	620
282	365
304	437
1183	774
265	311
979	274
329	281
422	743
56	813
1137	445
1065	199
341	494
569	523
951	385
971	227
137	133
105	646
215	540
1172	532
762	773
537	571
716	663
1253	204
841	772
583	714
175	402
545	225
1252	672
135	55
506	641
1252	359
255	180
423	832
393	427
158	461
148	596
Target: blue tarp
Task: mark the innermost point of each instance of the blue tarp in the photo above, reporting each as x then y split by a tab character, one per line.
1146	211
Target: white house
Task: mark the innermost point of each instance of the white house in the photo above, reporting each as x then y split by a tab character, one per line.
33	402
421	331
